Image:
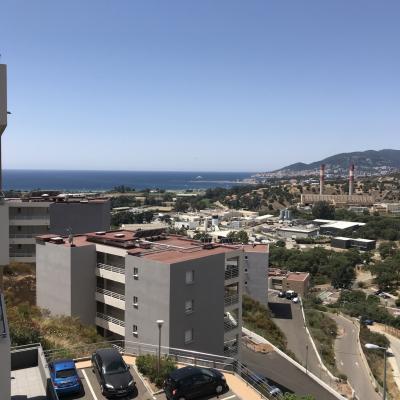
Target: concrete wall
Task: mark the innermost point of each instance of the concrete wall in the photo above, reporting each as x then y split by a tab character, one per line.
5	357
79	217
153	291
53	278
207	291
3	97
83	283
256	276
4	241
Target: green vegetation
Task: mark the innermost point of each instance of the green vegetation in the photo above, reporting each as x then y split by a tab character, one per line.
357	304
291	396
387	249
387	272
323	210
127	217
324	331
323	265
238	237
147	365
258	319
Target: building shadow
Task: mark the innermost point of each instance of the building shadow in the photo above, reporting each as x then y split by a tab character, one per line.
281	310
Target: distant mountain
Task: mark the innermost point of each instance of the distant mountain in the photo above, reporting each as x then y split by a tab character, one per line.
370	162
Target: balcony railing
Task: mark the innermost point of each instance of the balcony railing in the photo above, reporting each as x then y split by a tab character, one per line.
229	325
25	235
232	299
231	271
113	320
111	268
111	294
15	255
29	217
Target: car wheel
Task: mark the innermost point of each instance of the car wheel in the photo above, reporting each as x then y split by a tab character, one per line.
219	389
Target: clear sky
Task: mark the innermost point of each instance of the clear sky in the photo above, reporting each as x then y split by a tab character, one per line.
198	85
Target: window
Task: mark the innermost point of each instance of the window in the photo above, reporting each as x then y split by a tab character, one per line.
189	277
189	306
246	257
135	273
245	282
135	330
135	302
189	336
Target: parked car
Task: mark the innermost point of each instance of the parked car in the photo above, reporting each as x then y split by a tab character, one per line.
282	295
367	321
291	294
112	373
262	384
295	300
193	382
64	377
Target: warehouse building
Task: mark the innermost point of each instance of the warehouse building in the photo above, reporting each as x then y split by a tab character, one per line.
348	243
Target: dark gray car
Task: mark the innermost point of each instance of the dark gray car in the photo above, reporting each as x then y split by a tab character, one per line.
112	373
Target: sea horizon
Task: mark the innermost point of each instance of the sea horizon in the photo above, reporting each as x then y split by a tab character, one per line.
103	180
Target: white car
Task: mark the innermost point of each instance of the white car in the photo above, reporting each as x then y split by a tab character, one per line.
295	300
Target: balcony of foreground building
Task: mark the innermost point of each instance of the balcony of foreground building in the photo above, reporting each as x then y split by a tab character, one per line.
112	324
230	322
110	298
29	220
110	272
28	257
231	300
231	272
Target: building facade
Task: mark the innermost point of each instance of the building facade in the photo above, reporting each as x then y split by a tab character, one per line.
123	281
24	219
5	357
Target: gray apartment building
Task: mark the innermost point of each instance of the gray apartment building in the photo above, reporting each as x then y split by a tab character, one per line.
21	220
123	281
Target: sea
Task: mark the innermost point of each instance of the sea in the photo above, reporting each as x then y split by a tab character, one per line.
82	181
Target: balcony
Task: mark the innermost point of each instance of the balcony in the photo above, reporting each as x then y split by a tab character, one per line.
29	220
230	323
22	257
110	323
231	272
111	298
232	299
110	272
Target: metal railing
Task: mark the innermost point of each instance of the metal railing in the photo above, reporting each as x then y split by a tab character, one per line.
231	271
12	255
111	268
113	320
230	325
24	235
3	328
110	293
232	299
29	217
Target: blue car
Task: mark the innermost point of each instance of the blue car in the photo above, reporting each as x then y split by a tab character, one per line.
64	377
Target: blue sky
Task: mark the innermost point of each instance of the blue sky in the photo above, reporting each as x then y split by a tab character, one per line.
198	85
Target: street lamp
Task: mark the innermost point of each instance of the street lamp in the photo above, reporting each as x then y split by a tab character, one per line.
160	323
372	346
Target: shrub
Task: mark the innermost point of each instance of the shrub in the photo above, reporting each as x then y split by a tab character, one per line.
147	365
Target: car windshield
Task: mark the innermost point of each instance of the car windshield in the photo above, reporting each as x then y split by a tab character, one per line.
65	373
115	367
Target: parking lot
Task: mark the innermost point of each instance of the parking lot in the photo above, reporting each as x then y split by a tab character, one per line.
92	389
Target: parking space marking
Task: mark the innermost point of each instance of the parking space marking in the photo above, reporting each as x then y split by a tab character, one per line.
229	397
89	385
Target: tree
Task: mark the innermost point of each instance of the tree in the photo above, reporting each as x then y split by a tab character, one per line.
387	249
292	396
323	210
238	237
181	205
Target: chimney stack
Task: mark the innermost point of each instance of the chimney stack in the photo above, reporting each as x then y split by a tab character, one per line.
351	180
321	179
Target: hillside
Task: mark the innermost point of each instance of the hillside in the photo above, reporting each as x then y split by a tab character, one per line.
369	162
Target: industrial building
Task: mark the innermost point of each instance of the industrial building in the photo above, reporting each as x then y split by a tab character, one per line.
347	243
339	200
331	227
297	232
21	220
123	281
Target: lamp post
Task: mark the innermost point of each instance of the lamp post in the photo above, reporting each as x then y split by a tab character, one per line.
372	346
160	323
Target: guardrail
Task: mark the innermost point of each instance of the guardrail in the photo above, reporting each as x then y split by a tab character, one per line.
113	320
231	271
111	268
232	299
110	293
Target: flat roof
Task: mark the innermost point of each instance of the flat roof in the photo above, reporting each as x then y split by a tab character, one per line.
296	229
297	276
358	239
339	224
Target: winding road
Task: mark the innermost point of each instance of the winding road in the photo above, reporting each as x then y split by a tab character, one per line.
349	361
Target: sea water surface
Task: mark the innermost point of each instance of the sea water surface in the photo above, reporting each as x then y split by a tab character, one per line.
106	180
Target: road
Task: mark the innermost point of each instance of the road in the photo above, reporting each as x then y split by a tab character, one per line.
349	361
284	374
289	318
